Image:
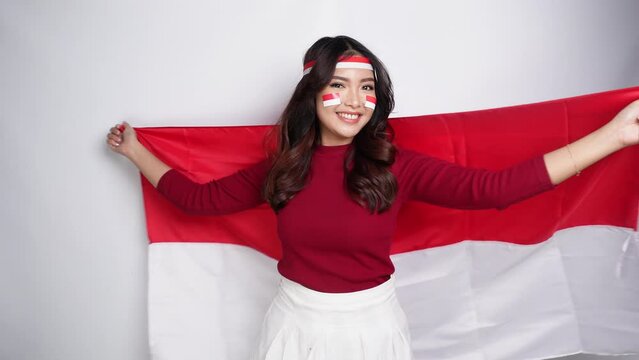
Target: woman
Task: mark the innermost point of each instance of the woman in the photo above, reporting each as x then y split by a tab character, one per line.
336	183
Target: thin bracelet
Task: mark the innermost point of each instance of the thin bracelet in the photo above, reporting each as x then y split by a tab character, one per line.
573	160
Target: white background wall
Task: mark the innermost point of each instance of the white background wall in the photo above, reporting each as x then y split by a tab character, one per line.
73	244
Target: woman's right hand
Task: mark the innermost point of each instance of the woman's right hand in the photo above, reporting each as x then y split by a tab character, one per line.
125	142
122	142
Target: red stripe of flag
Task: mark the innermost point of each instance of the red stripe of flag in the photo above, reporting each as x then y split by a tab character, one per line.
309	65
330	96
359	59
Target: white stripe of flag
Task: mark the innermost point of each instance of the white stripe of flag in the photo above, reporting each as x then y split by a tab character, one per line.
353	65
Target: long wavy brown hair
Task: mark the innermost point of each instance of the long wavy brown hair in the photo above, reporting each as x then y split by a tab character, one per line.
368	178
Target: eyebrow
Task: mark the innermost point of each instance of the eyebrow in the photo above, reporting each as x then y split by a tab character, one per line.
348	80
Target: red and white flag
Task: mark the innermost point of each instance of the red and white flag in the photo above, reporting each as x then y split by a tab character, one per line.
552	275
370	102
331	99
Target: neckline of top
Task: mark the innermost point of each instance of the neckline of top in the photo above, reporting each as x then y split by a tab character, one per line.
332	150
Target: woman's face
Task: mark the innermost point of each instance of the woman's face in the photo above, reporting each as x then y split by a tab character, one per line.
340	120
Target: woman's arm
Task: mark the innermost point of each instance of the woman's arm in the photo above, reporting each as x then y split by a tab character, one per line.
151	167
448	184
235	192
621	131
440	182
126	143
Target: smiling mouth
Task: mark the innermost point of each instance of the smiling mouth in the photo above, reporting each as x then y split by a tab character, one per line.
349	117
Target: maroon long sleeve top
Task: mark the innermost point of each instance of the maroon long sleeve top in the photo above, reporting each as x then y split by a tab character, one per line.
332	244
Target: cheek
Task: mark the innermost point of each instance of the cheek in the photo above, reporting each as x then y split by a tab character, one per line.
322	112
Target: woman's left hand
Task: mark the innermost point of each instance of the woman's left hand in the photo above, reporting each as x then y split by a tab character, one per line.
625	125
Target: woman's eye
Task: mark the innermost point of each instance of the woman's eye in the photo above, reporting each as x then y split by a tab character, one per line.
368	87
337	85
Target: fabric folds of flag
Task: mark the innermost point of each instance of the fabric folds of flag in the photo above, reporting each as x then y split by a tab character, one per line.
552	275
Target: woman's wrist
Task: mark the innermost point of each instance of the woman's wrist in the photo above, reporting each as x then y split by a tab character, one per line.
134	152
609	137
572	159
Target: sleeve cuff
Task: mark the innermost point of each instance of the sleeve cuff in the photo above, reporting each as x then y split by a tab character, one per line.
164	180
542	174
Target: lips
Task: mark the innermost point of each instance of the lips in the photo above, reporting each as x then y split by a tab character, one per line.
349	117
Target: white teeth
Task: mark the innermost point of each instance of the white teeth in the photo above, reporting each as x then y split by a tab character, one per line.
348	116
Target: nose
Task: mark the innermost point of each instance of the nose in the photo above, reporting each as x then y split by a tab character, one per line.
353	97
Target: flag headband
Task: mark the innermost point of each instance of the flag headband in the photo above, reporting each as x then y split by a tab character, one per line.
345	62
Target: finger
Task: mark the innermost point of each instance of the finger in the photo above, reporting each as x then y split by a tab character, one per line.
114	130
115	138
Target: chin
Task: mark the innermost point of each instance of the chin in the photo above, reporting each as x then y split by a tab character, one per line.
348	134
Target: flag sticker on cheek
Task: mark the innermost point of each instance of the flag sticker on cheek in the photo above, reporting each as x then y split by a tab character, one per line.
331	99
370	102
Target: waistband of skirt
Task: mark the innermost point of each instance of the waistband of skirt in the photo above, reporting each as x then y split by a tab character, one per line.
301	296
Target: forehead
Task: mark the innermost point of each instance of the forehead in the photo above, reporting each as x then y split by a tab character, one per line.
355	75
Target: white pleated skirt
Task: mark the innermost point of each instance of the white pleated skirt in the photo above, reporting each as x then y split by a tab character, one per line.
302	323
